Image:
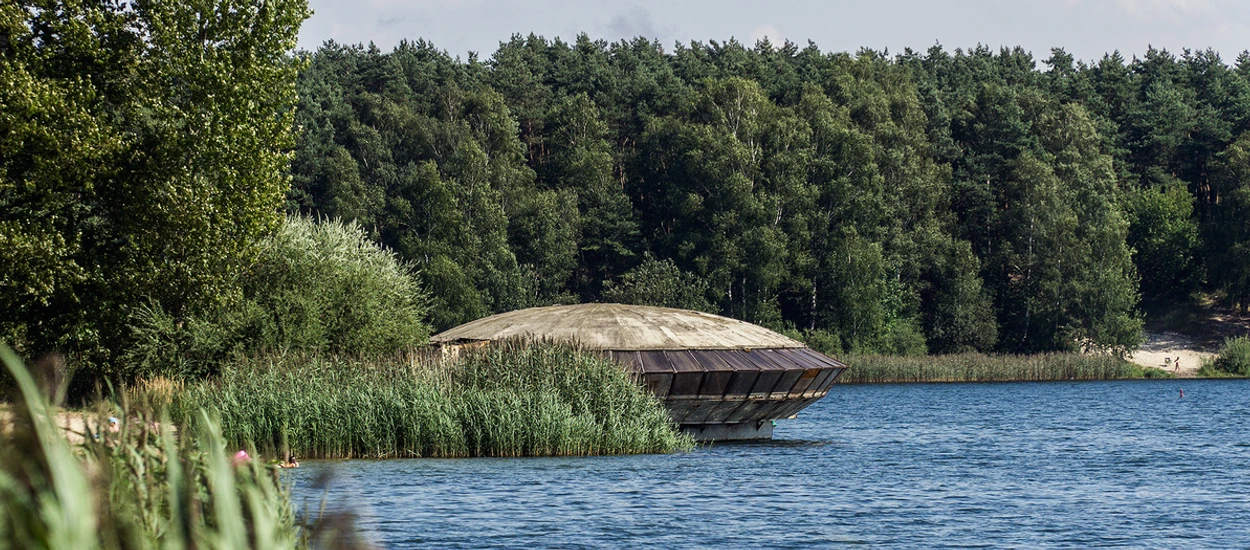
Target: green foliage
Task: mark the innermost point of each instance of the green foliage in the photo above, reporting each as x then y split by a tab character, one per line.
823	341
143	154
659	283
138	487
1164	238
408	146
1228	236
903	337
977	367
950	201
1234	356
500	400
956	310
316	286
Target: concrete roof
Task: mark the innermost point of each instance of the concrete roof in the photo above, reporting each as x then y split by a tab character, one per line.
621	327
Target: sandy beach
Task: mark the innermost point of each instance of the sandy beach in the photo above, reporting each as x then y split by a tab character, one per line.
1162	349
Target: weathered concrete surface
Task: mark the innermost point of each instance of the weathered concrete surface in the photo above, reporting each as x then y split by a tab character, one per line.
731	432
621	327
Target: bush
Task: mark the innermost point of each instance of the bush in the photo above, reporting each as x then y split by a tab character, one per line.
1234	357
820	340
659	283
317	286
904	337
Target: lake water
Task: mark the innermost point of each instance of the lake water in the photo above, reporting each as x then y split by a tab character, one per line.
1069	464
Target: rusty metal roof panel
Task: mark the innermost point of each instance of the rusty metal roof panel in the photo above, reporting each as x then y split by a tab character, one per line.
655	361
684	361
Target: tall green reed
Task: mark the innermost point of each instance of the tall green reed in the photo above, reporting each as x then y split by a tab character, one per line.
507	399
977	367
140	486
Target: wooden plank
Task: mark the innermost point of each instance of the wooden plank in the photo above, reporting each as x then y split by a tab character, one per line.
659	383
764	384
819	384
788	379
681	410
686	384
714	383
837	373
796	360
683	361
655	361
764	359
710	411
805	381
740	383
749	411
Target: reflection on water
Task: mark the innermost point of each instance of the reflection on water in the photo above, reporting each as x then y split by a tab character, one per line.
1065	464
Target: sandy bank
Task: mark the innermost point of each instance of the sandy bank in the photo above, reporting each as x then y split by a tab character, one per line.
1162	346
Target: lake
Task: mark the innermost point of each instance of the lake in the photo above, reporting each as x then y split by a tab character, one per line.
1057	464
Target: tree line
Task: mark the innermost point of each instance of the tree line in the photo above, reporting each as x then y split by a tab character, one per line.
927	201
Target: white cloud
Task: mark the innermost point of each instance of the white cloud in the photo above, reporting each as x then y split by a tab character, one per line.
633	22
770	32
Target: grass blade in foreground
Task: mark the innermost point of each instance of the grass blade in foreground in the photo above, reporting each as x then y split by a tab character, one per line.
138	487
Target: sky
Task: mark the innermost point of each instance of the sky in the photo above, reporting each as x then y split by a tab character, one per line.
1087	29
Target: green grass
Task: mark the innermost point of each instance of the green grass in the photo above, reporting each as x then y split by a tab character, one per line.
138	487
977	367
500	400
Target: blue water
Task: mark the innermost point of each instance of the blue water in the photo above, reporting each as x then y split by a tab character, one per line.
1066	465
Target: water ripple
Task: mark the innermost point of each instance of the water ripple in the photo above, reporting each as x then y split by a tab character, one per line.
1048	465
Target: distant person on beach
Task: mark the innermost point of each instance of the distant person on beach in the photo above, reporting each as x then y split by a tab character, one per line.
1176	367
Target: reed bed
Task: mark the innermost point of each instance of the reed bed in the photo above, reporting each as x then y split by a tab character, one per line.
977	367
502	400
139	486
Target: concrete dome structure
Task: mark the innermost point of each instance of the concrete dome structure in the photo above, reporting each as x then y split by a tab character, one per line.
720	378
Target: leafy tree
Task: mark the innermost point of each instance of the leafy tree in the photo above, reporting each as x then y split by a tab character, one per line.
1163	234
1229	232
580	162
659	283
430	163
156	159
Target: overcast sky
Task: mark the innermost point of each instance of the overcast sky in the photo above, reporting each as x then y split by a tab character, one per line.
1085	28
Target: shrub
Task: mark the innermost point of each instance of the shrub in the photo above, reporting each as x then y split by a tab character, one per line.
317	286
659	283
820	340
1234	357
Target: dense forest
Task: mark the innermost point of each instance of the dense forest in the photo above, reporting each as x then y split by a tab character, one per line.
169	175
937	201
